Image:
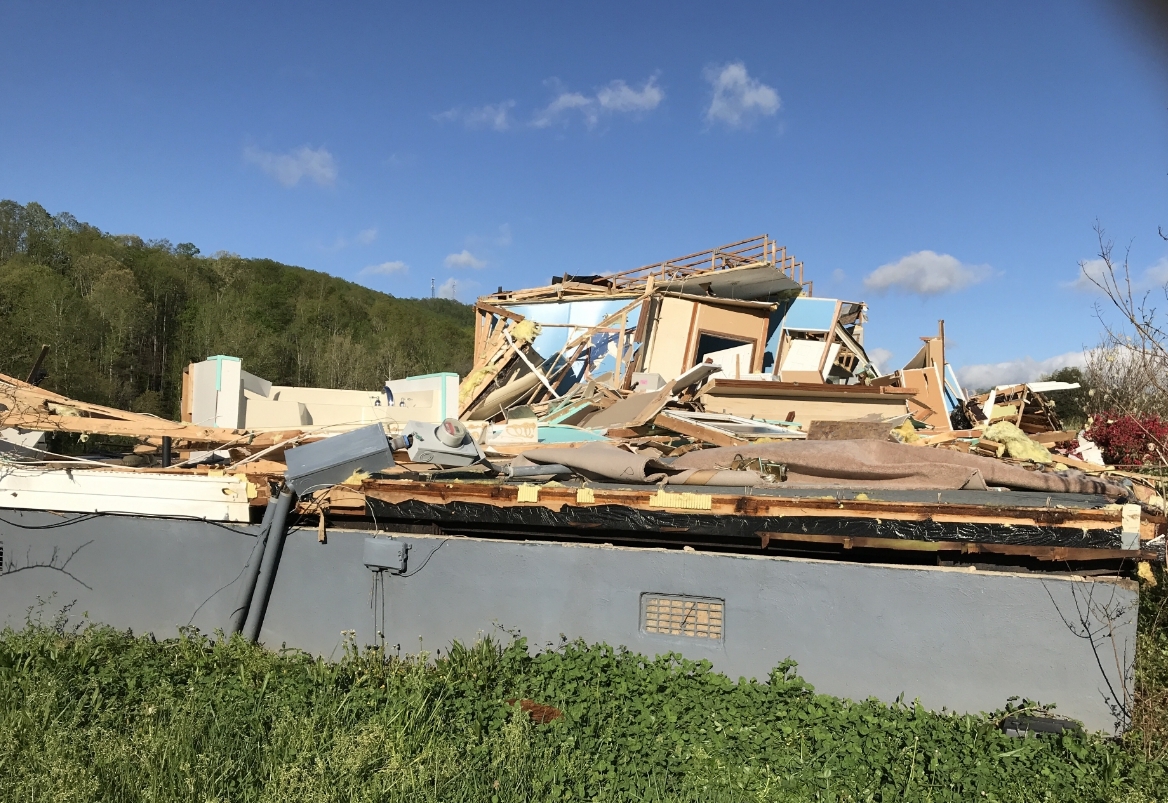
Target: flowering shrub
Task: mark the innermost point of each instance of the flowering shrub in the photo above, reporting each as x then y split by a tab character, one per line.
1129	441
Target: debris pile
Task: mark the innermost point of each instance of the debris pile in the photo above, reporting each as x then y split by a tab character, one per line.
721	348
718	368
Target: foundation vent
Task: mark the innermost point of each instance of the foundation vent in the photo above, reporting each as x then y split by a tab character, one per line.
674	615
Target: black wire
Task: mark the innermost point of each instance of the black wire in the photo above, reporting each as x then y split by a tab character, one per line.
216	591
88	516
238	529
77	520
427	560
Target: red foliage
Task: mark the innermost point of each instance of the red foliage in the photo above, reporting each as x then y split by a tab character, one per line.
1129	441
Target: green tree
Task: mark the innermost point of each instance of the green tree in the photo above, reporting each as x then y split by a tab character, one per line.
1071	406
125	316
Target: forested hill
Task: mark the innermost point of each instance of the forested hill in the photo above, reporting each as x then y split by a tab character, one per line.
124	316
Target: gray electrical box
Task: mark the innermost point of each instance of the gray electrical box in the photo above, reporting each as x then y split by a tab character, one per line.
333	460
385	554
447	444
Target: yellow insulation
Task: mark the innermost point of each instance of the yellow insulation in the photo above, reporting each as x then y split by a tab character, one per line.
1018	444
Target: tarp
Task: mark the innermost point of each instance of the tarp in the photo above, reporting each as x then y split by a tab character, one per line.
823	464
884	464
604	462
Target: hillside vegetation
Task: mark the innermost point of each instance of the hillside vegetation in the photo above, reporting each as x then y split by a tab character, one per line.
125	316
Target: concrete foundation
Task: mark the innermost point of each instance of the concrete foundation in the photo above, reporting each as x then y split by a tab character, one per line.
961	639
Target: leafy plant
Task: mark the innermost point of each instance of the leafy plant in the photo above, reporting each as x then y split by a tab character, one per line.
1071	406
102	715
124	317
1149	733
1129	440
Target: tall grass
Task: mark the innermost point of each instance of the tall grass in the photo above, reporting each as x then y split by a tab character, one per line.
97	714
1149	733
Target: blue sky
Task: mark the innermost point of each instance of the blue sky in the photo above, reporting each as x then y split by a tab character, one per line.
937	160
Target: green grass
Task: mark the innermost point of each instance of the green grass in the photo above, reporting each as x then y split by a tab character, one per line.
102	715
1149	734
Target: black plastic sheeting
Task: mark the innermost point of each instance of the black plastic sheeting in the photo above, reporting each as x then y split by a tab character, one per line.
631	524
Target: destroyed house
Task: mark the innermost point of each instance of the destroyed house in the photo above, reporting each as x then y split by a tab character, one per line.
743	307
696	457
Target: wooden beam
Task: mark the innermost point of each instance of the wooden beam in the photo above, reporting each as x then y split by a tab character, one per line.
719	301
764	387
133	429
185	409
36	366
696	430
1047	438
502	313
830	339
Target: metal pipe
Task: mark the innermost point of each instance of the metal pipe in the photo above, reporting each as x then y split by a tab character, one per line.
268	565
166	452
251	570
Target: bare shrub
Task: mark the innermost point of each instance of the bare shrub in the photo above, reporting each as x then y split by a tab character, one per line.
1129	369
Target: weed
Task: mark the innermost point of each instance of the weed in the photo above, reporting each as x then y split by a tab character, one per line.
102	715
1149	733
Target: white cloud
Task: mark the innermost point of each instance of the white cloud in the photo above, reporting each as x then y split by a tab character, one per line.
455	289
366	236
504	238
385	269
465	259
1027	369
615	98
565	101
926	273
1155	275
738	98
496	116
1089	269
881	357
838	276
620	97
288	168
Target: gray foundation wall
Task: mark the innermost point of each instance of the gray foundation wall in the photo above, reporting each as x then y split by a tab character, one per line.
149	575
965	640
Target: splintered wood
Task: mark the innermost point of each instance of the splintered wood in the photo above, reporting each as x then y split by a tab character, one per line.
28	407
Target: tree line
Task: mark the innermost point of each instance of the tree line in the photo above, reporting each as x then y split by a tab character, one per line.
124	316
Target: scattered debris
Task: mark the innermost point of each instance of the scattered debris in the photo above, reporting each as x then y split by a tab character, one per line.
719	368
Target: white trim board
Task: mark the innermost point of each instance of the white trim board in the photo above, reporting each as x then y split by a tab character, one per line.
96	491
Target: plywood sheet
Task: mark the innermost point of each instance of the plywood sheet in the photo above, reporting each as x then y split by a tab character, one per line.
803	355
670	338
929	405
745	324
735	361
805	409
622	412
